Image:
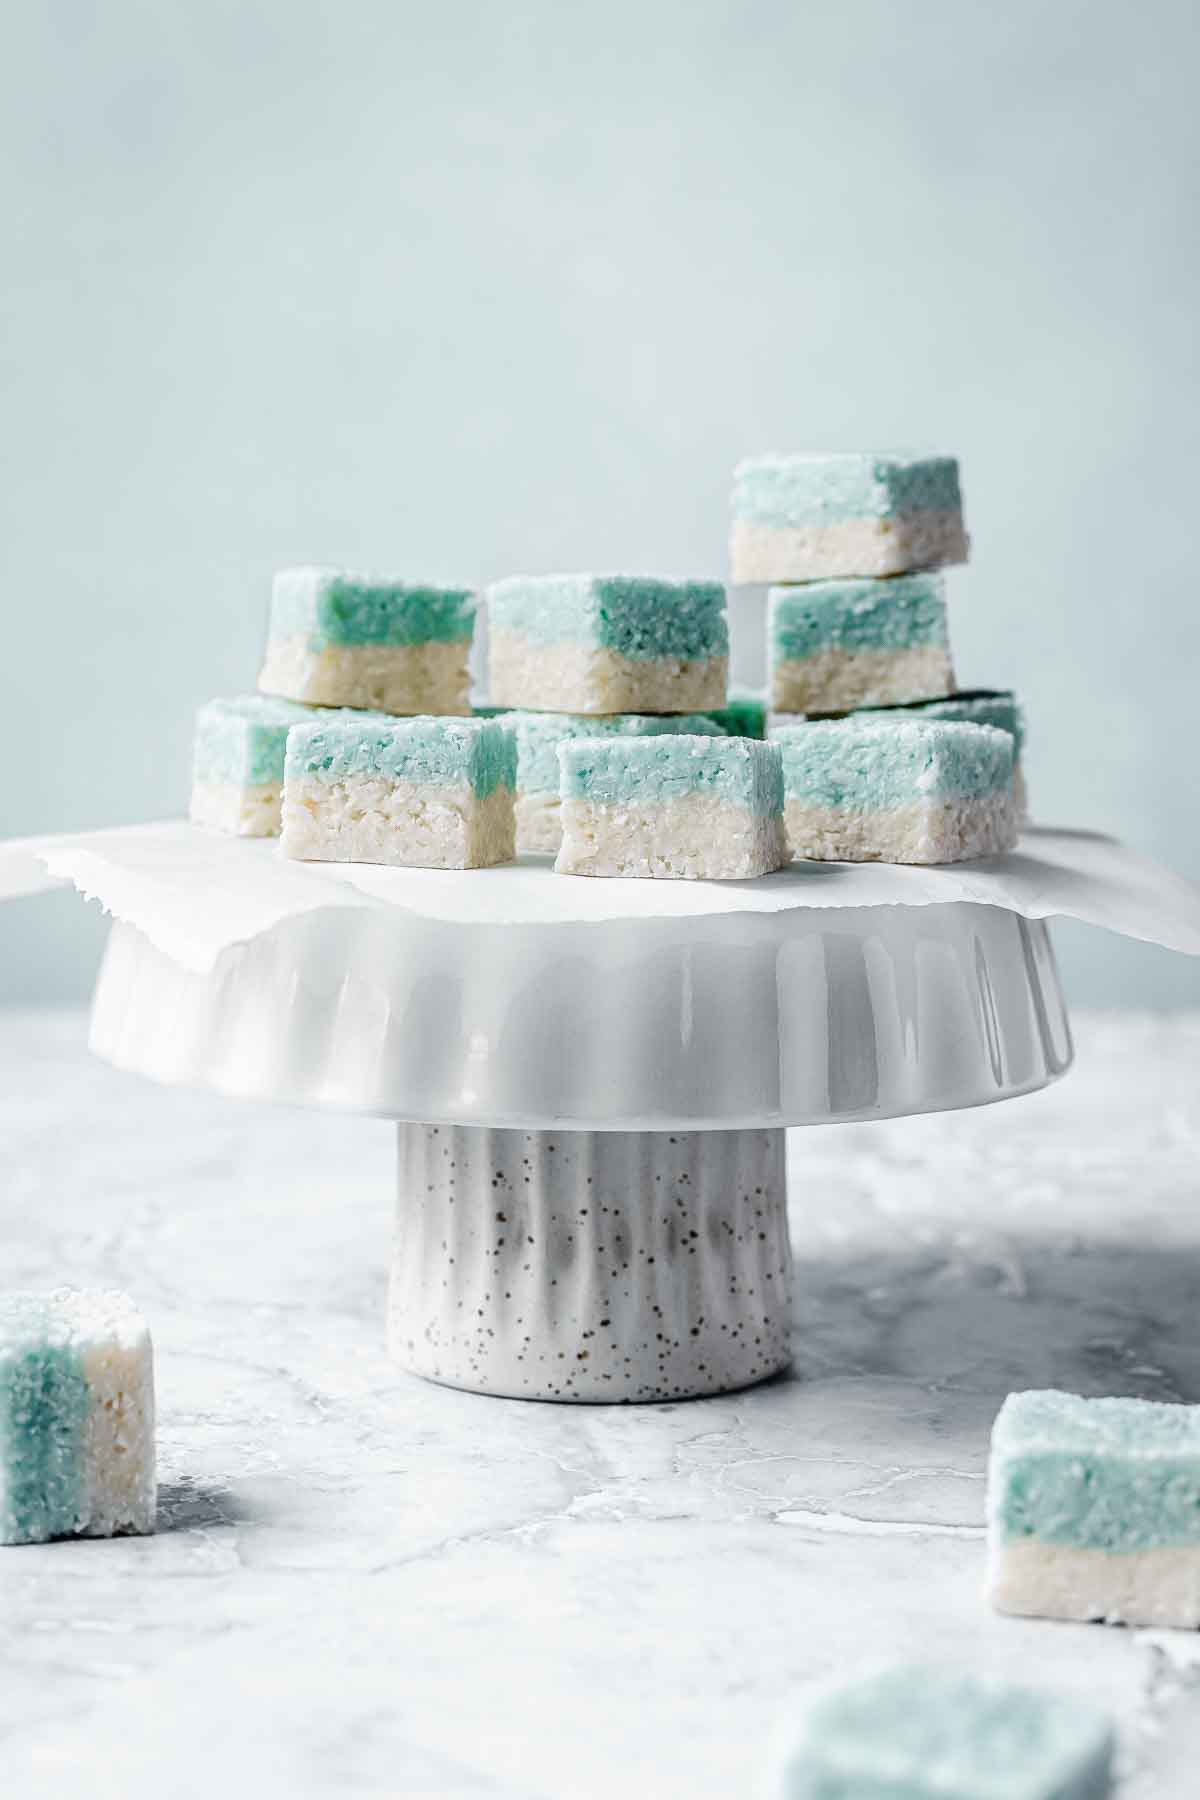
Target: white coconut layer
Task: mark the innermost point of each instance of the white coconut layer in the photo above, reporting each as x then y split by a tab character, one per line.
118	1366
1125	1587
926	540
834	679
581	678
539	823
407	824
241	811
926	831
406	679
696	838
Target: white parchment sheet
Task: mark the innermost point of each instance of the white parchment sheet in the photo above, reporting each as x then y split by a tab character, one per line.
195	894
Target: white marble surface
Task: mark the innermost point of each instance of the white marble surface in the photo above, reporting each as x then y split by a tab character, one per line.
369	1585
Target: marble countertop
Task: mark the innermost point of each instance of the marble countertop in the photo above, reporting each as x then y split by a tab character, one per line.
364	1584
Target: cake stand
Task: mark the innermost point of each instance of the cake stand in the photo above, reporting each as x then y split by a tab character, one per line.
591	1111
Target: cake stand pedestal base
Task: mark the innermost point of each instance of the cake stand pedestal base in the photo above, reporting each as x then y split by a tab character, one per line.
591	1265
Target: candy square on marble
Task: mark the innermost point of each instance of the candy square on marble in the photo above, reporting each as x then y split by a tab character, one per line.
431	793
917	1733
807	517
607	644
370	641
1094	1509
76	1417
861	790
682	808
835	645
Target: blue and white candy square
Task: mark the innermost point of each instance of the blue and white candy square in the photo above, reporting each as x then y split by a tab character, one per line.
238	757
804	518
76	1417
978	706
538	736
674	808
1094	1509
607	644
423	793
372	641
835	645
237	762
861	789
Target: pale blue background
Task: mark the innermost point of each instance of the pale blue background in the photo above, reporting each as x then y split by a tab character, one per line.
464	289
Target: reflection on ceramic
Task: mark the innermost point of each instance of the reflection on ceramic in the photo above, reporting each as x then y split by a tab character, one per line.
580	1265
764	1019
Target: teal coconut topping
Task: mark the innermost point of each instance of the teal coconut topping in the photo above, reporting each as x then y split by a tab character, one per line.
640	617
43	1414
331	606
242	740
1106	1474
865	764
744	714
654	771
539	735
920	1733
477	753
827	490
980	706
906	612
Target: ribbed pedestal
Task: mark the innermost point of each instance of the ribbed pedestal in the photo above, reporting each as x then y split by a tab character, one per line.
591	1265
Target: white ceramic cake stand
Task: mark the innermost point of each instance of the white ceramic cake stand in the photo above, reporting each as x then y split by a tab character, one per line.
591	1113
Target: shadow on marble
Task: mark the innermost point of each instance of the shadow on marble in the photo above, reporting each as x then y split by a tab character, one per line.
199	1506
991	1311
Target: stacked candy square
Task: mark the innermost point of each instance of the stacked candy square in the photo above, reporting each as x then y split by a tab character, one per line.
623	766
359	745
853	547
362	744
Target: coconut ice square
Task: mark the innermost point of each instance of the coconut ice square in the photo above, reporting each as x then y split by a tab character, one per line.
237	762
369	641
676	808
538	736
607	644
836	645
433	793
1094	1510
860	789
921	1733
978	706
76	1417
808	517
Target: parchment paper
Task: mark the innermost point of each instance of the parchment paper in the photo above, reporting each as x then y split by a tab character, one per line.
195	893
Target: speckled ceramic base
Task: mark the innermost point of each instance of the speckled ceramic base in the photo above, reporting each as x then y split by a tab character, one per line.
597	1266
